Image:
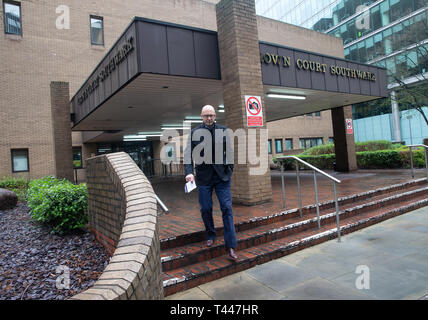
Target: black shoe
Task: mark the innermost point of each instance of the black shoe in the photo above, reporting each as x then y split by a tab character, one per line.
233	255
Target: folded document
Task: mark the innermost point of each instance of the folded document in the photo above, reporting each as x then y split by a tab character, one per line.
189	186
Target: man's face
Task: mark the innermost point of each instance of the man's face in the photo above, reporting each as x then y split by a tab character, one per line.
208	117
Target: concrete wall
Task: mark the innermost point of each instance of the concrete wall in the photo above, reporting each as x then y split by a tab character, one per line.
123	215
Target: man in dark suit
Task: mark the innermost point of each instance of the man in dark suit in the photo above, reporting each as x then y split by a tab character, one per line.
214	166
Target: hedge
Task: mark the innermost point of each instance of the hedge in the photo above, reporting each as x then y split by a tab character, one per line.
58	204
381	159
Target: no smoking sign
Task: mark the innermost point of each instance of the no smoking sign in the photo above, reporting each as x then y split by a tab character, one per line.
253	105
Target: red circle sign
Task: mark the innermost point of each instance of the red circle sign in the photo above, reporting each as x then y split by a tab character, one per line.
254	106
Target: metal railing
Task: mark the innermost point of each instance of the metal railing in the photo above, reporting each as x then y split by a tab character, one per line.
299	194
157	168
161	204
411	158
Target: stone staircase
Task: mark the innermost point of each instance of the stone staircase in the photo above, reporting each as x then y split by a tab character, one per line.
187	262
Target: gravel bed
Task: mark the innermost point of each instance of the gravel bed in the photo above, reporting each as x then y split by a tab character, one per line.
30	257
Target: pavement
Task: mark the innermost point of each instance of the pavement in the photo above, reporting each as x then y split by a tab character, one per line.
185	217
387	261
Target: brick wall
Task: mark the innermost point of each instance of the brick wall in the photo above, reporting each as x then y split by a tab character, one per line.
241	75
123	215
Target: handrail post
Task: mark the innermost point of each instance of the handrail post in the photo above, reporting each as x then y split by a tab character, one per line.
337	211
283	184
299	192
411	161
316	199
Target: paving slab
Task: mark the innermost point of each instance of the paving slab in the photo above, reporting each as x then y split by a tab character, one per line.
393	255
322	289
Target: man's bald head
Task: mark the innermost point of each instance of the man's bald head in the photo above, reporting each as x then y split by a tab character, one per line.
207	108
208	115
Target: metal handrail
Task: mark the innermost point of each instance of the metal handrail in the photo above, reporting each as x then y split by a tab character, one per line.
163	206
411	158
315	171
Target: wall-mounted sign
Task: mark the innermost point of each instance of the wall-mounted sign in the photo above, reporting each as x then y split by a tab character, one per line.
314	66
105	72
349	127
253	105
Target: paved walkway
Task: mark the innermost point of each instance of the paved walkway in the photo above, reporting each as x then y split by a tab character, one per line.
184	216
393	255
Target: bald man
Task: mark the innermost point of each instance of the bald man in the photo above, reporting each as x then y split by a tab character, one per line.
212	175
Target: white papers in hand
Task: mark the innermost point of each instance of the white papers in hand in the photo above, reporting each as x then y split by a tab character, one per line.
191	185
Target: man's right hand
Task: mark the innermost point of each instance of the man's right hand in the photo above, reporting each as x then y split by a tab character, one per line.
190	177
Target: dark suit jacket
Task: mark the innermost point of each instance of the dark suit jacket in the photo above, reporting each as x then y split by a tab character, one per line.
205	171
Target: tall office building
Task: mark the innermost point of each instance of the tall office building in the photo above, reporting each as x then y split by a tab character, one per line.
387	33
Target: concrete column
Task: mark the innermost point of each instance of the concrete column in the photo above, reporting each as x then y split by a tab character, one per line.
241	75
395	117
344	143
61	124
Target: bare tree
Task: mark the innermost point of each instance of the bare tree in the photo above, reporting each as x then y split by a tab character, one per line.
410	75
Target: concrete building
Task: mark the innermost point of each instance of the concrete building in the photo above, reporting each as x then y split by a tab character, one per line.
145	73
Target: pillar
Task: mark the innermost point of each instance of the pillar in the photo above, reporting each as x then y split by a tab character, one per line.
395	117
61	125
241	75
344	143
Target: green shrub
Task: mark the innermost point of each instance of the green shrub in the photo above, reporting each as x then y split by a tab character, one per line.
376	145
379	159
58	203
17	185
418	157
320	150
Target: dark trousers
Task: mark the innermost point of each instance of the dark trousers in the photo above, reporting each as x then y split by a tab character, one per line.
222	189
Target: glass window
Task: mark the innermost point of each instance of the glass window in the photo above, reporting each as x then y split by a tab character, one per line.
395	10
362	52
270	146
391	70
331	140
401	65
77	157
384	12
278	145
387	40
412	63
370	49
309	142
12	17
288	144
423	58
317	114
20	161
379	45
375	18
354	52
397	35
97	30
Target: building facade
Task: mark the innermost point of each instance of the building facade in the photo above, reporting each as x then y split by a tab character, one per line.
48	41
387	33
85	79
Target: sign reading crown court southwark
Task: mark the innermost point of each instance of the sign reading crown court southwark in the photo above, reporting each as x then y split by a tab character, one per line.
315	66
105	72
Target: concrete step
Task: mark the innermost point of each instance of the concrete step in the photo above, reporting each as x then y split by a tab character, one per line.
344	202
193	264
